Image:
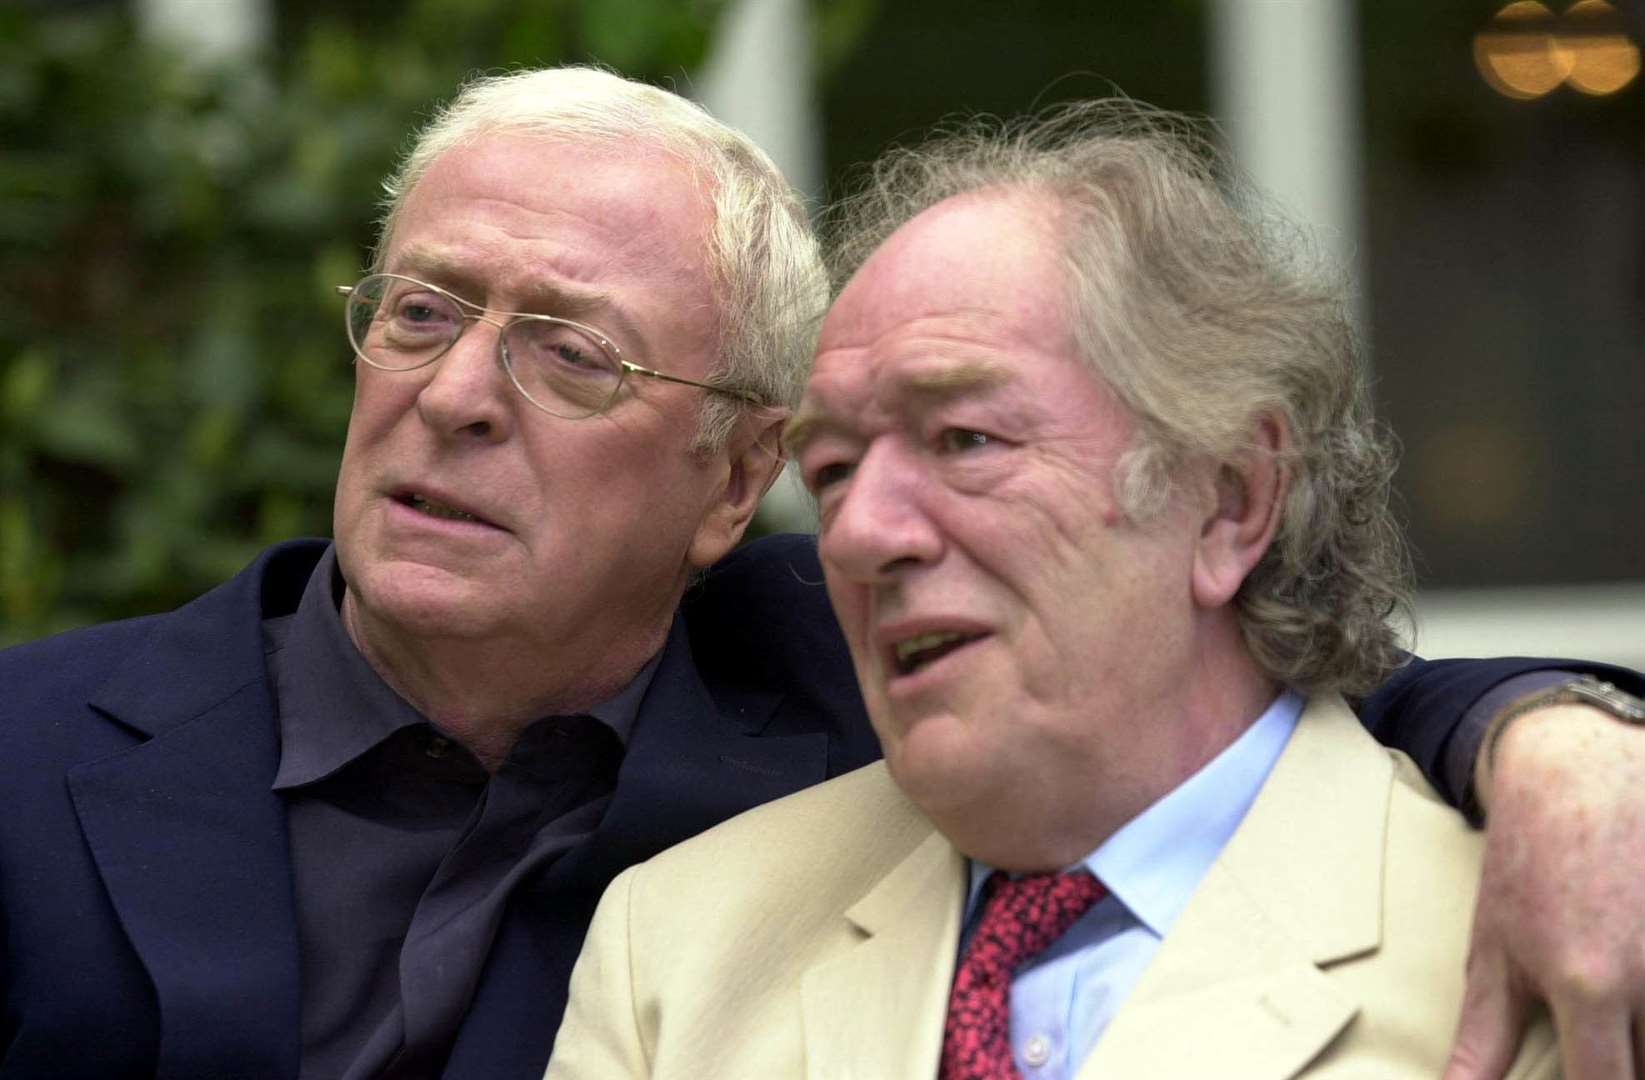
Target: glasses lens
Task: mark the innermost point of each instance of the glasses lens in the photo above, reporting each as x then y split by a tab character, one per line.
561	367
397	323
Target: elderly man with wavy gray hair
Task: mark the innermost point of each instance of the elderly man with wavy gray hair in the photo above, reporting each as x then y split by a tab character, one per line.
1104	520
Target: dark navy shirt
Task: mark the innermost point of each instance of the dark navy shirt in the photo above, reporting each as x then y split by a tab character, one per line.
404	849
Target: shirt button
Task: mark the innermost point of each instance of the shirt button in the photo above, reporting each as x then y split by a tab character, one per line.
438	746
1036	1051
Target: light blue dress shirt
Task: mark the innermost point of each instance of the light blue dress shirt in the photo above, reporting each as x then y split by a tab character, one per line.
1063	1000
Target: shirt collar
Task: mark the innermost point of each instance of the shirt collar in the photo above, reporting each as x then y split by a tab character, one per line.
1155	861
333	707
619	711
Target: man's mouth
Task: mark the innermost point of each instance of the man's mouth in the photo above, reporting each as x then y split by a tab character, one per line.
424	505
922	649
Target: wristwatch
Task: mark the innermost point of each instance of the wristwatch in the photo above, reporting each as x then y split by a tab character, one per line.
1582	690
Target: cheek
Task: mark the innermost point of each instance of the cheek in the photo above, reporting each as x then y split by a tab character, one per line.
1071	503
1041	542
611	496
380	403
848	606
373	415
352	478
841	593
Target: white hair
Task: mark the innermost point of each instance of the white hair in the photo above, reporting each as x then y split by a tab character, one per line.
761	255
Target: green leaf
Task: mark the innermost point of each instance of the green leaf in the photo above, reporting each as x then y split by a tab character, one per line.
88	429
25	386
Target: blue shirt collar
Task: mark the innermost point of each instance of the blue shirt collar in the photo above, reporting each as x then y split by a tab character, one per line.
1155	861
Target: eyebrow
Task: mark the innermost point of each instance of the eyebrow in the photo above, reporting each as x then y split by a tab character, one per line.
933	384
957	380
801	428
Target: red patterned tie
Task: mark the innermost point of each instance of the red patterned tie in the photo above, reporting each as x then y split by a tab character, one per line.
1020	919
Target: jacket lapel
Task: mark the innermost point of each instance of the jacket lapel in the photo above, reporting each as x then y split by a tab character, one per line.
189	839
1237	988
877	1010
687	767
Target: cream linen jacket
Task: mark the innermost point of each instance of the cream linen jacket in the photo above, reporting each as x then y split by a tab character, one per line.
815	938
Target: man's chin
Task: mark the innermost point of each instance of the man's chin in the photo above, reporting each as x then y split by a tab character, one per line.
934	757
418	600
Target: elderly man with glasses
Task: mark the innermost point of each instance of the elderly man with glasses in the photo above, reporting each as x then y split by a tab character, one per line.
349	814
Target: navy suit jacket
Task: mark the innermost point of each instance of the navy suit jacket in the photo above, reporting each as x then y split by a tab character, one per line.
146	910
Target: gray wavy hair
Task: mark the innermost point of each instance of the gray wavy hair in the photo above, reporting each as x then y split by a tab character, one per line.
1201	308
762	255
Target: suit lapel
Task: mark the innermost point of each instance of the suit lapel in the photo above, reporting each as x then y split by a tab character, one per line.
877	1010
1237	987
687	768
191	843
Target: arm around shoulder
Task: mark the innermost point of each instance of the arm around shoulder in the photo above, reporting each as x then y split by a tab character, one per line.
1561	895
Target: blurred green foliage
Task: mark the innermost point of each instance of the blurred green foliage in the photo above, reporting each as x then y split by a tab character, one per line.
174	381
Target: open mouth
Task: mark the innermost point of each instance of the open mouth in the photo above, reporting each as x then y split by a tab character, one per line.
917	652
424	505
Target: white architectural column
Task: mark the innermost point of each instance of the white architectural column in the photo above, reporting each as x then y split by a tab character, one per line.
207	30
760	77
1286	88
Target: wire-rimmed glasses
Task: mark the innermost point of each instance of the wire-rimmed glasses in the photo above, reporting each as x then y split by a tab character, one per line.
565	368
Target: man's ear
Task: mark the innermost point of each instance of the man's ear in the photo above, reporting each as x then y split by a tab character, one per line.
748	466
1243	507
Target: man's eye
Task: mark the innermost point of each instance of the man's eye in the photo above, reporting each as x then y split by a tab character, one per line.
957	440
415	321
573	357
417	307
829	474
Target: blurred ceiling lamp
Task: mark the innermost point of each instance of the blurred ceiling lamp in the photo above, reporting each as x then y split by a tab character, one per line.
1603	59
1520	53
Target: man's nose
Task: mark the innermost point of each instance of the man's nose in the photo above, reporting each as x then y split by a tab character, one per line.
468	394
881	527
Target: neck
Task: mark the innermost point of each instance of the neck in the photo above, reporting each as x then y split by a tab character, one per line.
1161	744
484	693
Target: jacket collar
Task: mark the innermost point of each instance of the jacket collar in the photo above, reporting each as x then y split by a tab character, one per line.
695	764
1241	972
688	766
1295	891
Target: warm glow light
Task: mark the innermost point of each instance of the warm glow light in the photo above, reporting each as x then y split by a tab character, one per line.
1602	62
1519	53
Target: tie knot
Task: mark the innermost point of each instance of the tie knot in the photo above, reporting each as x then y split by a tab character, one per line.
1023	916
